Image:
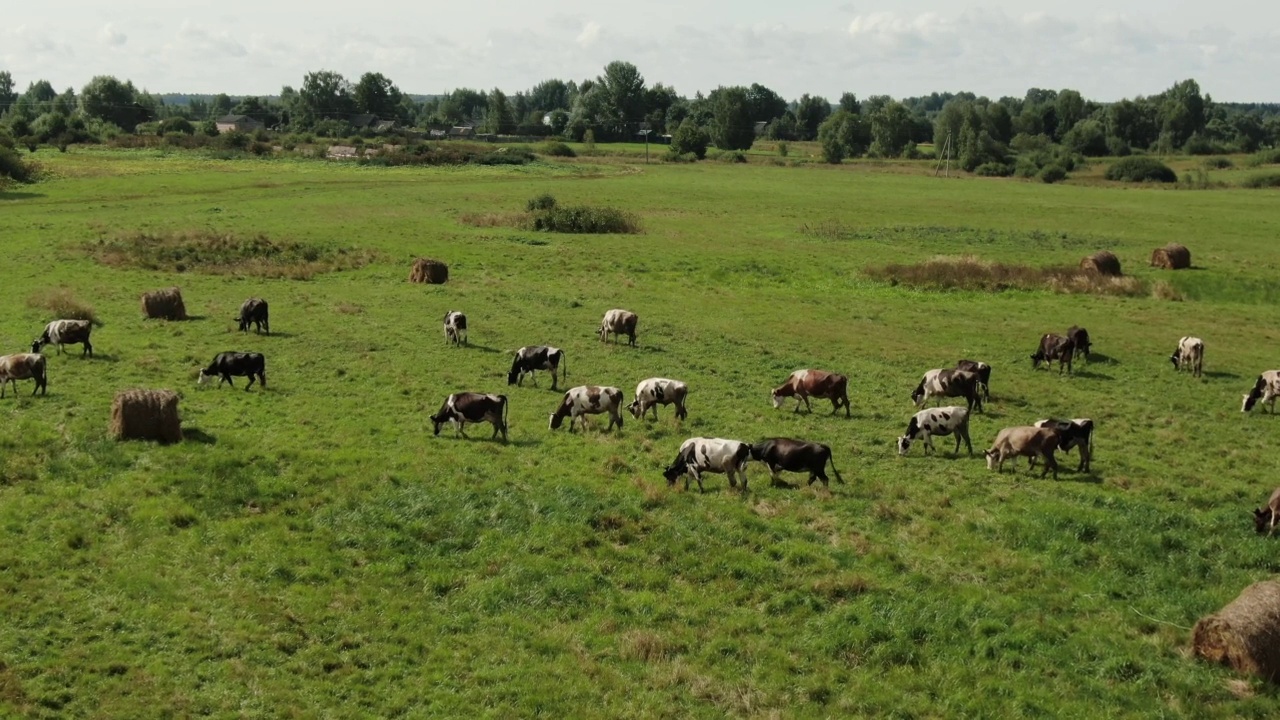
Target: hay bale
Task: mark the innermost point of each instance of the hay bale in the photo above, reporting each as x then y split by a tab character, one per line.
1244	635
1171	257
146	415
429	271
1103	263
164	304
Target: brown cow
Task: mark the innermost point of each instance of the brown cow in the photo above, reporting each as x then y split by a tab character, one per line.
1265	518
619	322
1054	347
1026	440
24	366
803	384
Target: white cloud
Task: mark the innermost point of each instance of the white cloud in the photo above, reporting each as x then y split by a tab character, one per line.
108	35
589	35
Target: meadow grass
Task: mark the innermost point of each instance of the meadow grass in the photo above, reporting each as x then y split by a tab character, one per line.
313	550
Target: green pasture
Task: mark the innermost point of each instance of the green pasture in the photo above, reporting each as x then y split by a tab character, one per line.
312	550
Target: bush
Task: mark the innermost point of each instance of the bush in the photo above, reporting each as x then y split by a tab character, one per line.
62	304
1053	174
689	138
1117	147
729	156
12	167
1268	180
260	148
234	140
782	149
557	149
1218	163
993	169
178	125
675	157
585	220
545	201
209	128
1265	157
1141	169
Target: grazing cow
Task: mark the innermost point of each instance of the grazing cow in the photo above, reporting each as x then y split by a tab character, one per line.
1073	433
1190	354
941	421
699	455
455	328
254	312
1080	337
659	391
795	456
24	366
803	384
1026	440
983	371
65	332
1266	389
468	407
949	383
1265	518
619	322
537	357
1054	347
227	364
584	400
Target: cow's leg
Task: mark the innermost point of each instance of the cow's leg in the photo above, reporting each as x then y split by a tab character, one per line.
1049	463
228	380
655	411
462	429
252	378
807	406
964	431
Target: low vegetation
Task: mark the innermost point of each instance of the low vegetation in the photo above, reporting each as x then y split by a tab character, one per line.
1141	169
972	273
1266	180
225	254
450	153
542	213
62	304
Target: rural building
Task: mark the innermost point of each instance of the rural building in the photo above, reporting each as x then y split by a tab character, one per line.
236	123
462	131
342	152
761	125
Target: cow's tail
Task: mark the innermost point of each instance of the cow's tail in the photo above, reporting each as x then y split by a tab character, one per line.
564	365
831	460
503	400
263	373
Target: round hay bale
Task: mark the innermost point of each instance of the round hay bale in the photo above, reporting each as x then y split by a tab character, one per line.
164	304
429	271
1102	262
1244	635
146	415
1171	257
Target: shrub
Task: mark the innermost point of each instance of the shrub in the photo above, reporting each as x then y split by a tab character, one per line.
557	149
13	167
1218	163
782	149
1267	180
1117	147
589	140
62	304
178	125
260	148
544	201
209	128
1141	169
993	169
585	220
1053	174
213	253
971	273
1264	157
675	157
689	138
234	140
729	156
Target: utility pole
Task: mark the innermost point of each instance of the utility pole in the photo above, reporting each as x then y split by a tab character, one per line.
945	156
645	132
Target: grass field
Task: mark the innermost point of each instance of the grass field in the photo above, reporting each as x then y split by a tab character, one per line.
313	551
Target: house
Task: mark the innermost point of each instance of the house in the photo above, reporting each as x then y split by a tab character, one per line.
236	123
761	125
383	126
363	121
342	152
462	131
437	133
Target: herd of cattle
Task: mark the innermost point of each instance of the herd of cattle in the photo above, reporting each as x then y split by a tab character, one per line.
969	380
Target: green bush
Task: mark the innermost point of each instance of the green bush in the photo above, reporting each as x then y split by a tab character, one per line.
12	167
728	156
1265	157
545	201
782	149
557	149
1141	169
177	125
1053	174
993	169
689	138
1268	180
675	157
585	220
234	140
1117	147
1218	163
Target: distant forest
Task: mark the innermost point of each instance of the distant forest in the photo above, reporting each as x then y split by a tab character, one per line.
619	105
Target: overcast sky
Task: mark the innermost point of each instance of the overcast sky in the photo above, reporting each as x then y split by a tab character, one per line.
1107	50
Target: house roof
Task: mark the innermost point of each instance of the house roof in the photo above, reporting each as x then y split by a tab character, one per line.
363	120
232	119
383	125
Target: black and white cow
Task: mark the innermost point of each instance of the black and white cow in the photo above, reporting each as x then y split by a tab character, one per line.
1266	389
228	364
1054	347
619	322
940	421
949	382
659	391
1080	338
584	400
537	357
795	456
699	455
1190	354
983	371
24	366
1074	433
468	407
65	332
254	312
455	328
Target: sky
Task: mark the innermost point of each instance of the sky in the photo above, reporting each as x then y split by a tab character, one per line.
1106	50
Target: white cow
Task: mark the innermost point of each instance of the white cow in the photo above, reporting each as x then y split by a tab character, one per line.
941	421
65	332
455	328
586	400
1189	355
619	322
24	366
1266	389
698	455
659	391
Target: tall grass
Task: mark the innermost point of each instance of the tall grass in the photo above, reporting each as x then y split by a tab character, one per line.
62	304
214	253
972	273
1265	180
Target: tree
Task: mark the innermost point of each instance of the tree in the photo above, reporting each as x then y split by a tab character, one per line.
764	104
550	95
325	95
732	127
810	113
1088	137
254	107
375	94
849	103
498	117
623	88
1182	112
106	98
968	126
658	101
220	106
7	94
783	128
1069	109
890	130
689	138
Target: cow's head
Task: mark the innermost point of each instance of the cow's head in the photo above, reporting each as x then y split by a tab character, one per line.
777	399
556	421
35	345
904	444
1249	401
204	377
634	408
1174	358
1261	519
675	470
759	449
917	395
1038	358
513	377
438	420
993	456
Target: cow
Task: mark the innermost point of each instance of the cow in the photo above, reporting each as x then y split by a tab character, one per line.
66	332
537	357
1026	440
586	400
795	456
941	421
1190	354
1073	433
24	366
1080	337
659	391
699	455
227	364
619	322
468	407
803	384
983	371
455	328
1266	389
1265	518
1054	347
254	312
949	382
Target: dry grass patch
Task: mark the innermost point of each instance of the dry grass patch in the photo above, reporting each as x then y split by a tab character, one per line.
645	646
62	304
971	273
214	253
